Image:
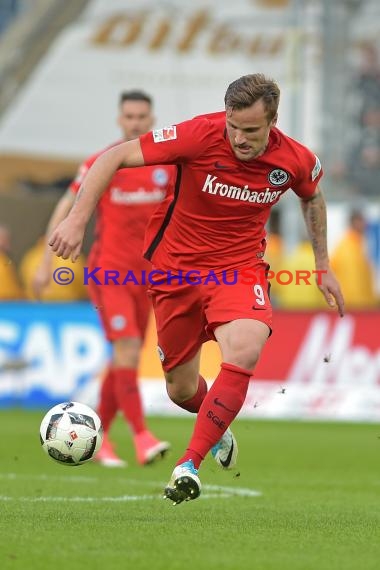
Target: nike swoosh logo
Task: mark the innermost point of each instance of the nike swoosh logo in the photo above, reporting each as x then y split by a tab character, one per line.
221	166
226	462
217	402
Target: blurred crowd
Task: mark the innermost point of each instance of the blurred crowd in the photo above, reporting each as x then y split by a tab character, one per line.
362	170
16	282
349	258
367	152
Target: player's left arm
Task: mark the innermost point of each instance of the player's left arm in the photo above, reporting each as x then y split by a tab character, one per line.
314	213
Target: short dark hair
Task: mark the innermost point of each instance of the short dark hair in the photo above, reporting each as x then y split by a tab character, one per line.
135	95
248	89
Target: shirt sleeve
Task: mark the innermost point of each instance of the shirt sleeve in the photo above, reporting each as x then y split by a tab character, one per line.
178	143
310	173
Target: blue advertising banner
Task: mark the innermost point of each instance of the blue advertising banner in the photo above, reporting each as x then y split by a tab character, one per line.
48	352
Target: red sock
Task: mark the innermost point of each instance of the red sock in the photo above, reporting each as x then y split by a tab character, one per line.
194	403
107	407
128	398
219	408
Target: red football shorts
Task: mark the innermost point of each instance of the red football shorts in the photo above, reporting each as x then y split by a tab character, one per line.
123	309
187	315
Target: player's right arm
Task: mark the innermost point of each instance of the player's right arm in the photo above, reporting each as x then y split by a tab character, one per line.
66	240
42	276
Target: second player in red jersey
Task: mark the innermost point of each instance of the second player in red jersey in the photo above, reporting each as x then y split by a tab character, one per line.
121	218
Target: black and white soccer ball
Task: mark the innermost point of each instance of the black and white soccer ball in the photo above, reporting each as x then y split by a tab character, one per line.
71	433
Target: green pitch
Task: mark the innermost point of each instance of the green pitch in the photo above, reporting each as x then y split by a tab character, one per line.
306	496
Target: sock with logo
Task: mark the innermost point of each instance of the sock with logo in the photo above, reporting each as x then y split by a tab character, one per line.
219	408
107	407
128	398
193	404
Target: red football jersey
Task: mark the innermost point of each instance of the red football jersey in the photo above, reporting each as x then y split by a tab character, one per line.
123	213
216	217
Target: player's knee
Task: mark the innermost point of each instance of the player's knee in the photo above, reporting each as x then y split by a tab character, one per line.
243	356
177	389
177	394
126	353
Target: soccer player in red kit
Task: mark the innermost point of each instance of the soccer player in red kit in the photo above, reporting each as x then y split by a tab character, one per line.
232	167
122	216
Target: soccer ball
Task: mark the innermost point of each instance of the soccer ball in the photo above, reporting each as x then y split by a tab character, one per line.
71	433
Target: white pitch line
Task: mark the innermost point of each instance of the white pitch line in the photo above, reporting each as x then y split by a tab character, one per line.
122	499
214	491
238	491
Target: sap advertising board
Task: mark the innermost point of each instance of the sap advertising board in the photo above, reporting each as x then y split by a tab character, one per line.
48	352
